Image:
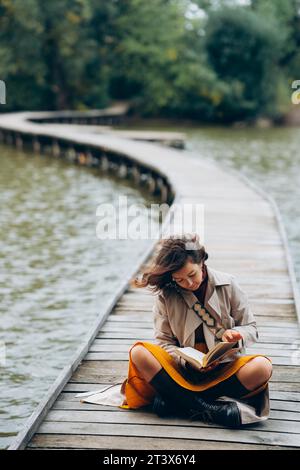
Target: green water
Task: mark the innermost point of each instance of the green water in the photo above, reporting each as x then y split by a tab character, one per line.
56	275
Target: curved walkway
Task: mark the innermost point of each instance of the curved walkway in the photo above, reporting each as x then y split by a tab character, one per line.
244	235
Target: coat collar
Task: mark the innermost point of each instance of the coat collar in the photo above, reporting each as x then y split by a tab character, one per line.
215	278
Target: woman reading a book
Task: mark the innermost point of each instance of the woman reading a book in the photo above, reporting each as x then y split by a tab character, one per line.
199	307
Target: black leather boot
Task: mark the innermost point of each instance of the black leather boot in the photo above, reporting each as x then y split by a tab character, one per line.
224	413
218	412
174	400
162	408
169	394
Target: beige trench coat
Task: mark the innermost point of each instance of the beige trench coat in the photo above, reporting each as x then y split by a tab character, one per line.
175	323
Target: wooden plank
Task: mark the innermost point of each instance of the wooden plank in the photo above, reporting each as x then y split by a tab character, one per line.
123	322
276	402
125	310
264	329
282	340
179	432
112	327
144	318
114	341
114	338
285	406
261	350
143	335
283	373
278	324
52	441
108	348
264	333
74	406
274	309
90	371
119	356
284	386
266	348
83	387
286	396
148	419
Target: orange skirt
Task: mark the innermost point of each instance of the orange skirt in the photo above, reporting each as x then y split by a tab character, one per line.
138	392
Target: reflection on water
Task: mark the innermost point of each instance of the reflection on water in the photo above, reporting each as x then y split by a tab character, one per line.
56	276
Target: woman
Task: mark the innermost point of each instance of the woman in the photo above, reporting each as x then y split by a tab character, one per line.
197	306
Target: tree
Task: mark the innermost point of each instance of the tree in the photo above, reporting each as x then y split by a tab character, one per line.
53	54
21	57
245	52
148	43
286	17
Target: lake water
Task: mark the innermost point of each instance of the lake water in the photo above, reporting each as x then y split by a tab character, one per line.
56	275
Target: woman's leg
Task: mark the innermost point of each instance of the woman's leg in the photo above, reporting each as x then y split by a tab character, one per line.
255	373
180	399
145	362
252	375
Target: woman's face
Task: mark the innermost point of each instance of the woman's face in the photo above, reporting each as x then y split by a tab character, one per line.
190	276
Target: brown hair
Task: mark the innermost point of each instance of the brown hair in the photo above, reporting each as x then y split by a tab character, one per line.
174	252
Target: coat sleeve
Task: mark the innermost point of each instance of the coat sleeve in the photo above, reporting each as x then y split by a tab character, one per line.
243	316
163	333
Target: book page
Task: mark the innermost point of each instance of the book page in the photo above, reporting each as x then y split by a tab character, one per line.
201	360
191	355
220	350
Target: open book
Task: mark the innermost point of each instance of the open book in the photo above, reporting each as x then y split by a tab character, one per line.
222	350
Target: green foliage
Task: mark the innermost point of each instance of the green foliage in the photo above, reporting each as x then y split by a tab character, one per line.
149	43
285	15
51	56
211	60
245	52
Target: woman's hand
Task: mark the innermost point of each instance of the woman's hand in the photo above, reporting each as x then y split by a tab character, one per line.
191	368
211	367
231	336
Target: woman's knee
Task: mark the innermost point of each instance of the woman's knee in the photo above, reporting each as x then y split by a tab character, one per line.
262	369
255	373
140	355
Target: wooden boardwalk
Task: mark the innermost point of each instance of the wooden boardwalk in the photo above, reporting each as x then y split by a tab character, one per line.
71	424
243	236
